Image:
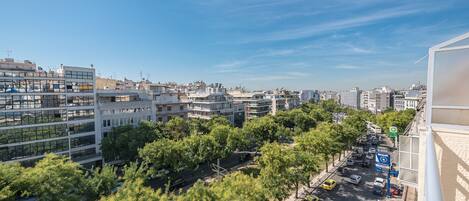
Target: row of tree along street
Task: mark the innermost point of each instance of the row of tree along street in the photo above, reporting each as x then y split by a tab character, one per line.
293	145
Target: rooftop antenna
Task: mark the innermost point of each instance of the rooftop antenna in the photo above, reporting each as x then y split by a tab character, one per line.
141	75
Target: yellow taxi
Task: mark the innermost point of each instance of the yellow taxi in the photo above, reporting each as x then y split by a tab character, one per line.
329	184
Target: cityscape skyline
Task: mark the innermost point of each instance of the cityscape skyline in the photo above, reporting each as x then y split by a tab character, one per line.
256	44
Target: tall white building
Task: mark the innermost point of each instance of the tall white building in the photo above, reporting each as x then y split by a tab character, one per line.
379	99
214	101
282	100
309	95
350	98
43	112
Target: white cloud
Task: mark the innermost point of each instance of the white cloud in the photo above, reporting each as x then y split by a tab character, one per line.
311	30
347	66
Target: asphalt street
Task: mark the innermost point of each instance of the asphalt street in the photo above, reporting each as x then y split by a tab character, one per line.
362	191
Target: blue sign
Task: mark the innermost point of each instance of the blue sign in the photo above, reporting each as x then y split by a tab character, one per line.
394	173
382	159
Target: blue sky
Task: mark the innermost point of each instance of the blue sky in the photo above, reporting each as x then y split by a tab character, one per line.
334	44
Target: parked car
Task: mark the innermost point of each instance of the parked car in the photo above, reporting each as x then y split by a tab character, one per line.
329	184
343	171
354	179
372	150
379	182
350	162
378	190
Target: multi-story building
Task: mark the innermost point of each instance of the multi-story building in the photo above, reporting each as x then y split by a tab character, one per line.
434	154
282	99
292	99
43	112
214	101
167	103
309	95
329	95
350	98
407	100
379	99
399	102
255	104
364	100
119	108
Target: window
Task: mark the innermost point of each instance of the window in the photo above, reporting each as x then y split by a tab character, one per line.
160	109
168	108
181	107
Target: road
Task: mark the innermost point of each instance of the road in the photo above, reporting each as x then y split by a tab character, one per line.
360	192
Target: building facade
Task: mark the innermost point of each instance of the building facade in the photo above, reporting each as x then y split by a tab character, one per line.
309	95
47	112
255	104
212	102
350	98
119	108
379	99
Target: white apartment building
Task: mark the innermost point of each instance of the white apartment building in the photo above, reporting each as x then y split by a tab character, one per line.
407	100
364	100
379	99
43	112
119	108
214	101
309	95
350	98
167	103
329	95
399	102
255	104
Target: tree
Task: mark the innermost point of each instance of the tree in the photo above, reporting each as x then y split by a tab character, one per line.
199	148
178	128
122	143
238	187
102	181
218	121
295	119
54	178
228	139
198	126
264	129
165	154
134	190
9	176
199	192
275	175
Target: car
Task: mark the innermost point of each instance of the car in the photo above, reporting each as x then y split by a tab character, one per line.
379	182
343	171
372	150
329	184
350	162
312	198
370	156
378	190
365	163
354	179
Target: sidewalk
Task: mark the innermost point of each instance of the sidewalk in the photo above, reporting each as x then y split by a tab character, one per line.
318	179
